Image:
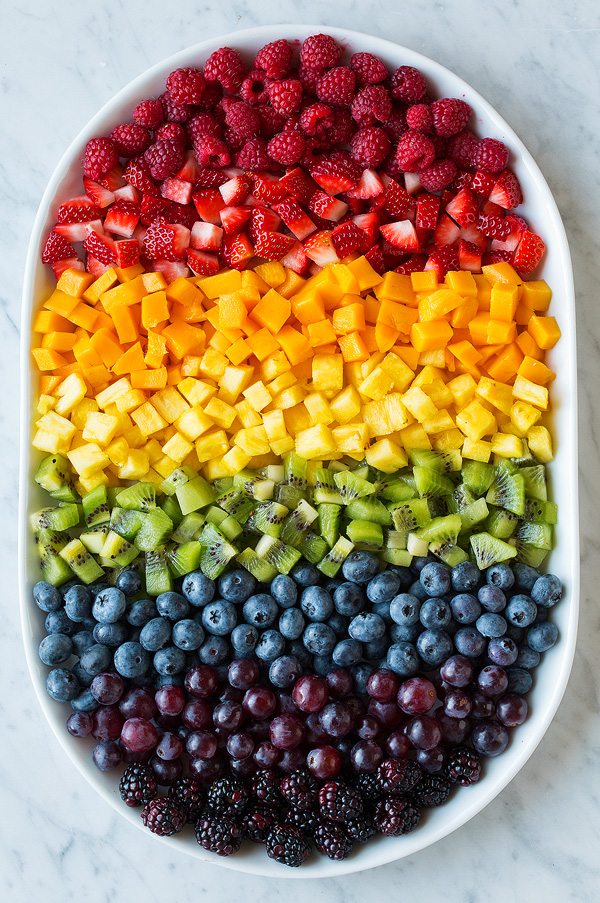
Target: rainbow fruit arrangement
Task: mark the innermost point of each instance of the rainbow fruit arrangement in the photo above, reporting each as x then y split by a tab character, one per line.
292	415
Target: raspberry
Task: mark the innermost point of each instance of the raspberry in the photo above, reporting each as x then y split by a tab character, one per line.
450	115
332	841
369	69
131	139
339	802
275	59
309	78
420	117
189	794
372	104
211	152
463	766
462	147
137	785
56	248
257	823
175	112
299	789
271	121
254	88
243	120
398	775
99	157
342	129
213	92
408	84
186	85
490	155
287	147
218	835
395	126
202	125
163	817
395	816
286	844
286	95
432	790
370	146
226	67
171	131
316	120
320	51
415	152
337	86
253	155
348	238
227	797
438	176
149	113
164	158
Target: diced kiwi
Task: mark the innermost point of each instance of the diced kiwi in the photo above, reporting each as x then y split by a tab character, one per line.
395	539
54	475
96	507
501	524
184	558
54	569
117	550
126	522
50	541
254	486
62	518
417	546
351	487
289	495
274	472
155	530
170	506
236	503
442	462
335	558
530	554
448	553
227	524
95	538
535	482
80	561
277	553
190	527
398	489
399	557
217	552
489	550
295	469
313	547
258	567
507	491
473	514
371	509
267	518
157	574
177	478
441	529
540	512
410	515
460	499
477	476
526	459
329	523
222	484
297	523
431	483
324	489
194	494
139	497
537	535
365	533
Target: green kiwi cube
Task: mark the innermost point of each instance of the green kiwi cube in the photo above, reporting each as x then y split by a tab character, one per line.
194	494
54	475
489	550
139	497
156	528
80	561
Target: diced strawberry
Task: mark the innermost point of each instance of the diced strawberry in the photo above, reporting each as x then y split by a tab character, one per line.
151	207
369	223
463	207
140	234
263	220
237	251
296	260
209	203
112	179
297	221
401	235
202	264
446	231
463	180
483	182
469	256
74	232
128	252
491	209
428	209
414	264
69	263
138	174
297	184
190	170
319	247
370	186
100	246
443	260
529	253
375	257
507	191
493	226
398	201
272	245
236	190
122	218
56	248
357	205
473	235
171	269
94	266
348	238
335	175
176	190
78	210
517	226
412	182
166	241
268	188
233	219
101	196
127	193
327	207
497	257
206	237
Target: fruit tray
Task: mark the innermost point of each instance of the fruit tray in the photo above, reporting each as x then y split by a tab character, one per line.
366	520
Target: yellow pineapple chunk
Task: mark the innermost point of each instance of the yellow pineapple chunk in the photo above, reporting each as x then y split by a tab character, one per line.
397	414
111	393
117	451
136	465
100	428
45	403
257	395
87	459
126	402
57	426
177	448
523	416
212	446
507	446
48	442
147	419
274	365
439	393
253	440
69	393
525	390
386	455
375	415
477	450
87	484
377	384
134	437
318	408
328	374
419	404
274	424
169	403
213	364
439	423
246	414
414	436
233	381
195	391
165	466
346	405
192	423
497	394
221	412
540	443
399	371
289	398
282	446
463	389
475	421
315	442
235	460
351	439
447	440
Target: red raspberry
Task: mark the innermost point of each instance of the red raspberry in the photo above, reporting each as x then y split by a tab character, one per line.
372	104
287	148
56	248
254	88
337	86
164	158
271	122
99	157
286	95
316	120
212	152
213	92
131	139
320	51
420	117
408	84
186	85
462	148
395	126
369	69
226	67
438	176
415	151
450	115
243	120
370	146
275	59
342	129
201	125
347	238
172	131
490	155
175	112
149	113
309	78
253	156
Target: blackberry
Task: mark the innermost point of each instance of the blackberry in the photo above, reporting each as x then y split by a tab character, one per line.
137	785
219	835
227	796
288	845
257	822
463	766
189	794
300	789
340	802
397	776
332	840
360	829
163	816
264	787
304	819
395	815
432	790
368	786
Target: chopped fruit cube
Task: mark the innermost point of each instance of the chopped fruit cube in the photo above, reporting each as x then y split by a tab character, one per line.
386	455
544	330
477	450
540	443
315	442
272	311
525	390
148	420
328	374
431	335
475	421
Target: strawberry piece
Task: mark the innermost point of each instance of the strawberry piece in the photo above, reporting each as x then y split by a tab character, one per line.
443	260
412	182
112	179
297	184
166	241
78	210
507	191
369	223
210	178
462	180
190	170
296	260
272	245
497	257
127	193
138	175
401	235
263	220
414	264
529	253
336	175
205	237
74	232
483	183
297	221
151	207
398	201
237	251
128	252
234	219
469	256
463	208
94	266
176	190
348	238
319	248
102	247
56	248
327	207
516	225
472	234
267	188
122	218
68	263
100	196
493	226
171	269
236	190
428	209
370	186
202	264
446	231
209	203
375	257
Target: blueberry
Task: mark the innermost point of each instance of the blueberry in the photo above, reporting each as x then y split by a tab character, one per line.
110	634
244	638
528	658
521	610
323	665
542	637
402	659
78	603
383	587
305	574
366	627
82	641
519	681
347	652
62	685
85	702
465	608
96	659
47	597
404	609
170	680
292	623
129	581
500	575
348	599
140	612
172	606
491	598
376	649
155	634
236	585
418	590
404	574
169	661
361	674
516	633
84	677
109	605
435	613
131	660
220	617
434	646
405	633
383	609
491	625
319	639
339	623
525	576
60	622
332	585
547	591
502	651
468	641
284	671
260	610
419	562
97	587
360	566
198	589
55	649
214	651
465	577
270	646
298	650
316	603
435	579
188	635
284	591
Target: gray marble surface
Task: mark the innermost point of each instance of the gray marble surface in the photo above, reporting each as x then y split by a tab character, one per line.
537	62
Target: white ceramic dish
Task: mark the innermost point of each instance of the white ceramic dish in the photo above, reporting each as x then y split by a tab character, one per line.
551	679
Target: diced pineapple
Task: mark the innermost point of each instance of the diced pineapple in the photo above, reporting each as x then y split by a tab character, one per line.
351	439
221	412
399	371
507	446
235	460
136	465
419	404
376	385
477	450
524	416
48	442
45	403
88	484
79	414
439	423
233	381
328	374
57	426
257	395
100	428
87	459
318	409
117	451
439	393
447	440
246	414
346	405
112	393
524	390
153	450
130	400
213	364
177	448
397	414
195	391
463	389
165	466
214	445
315	442
497	394
274	424
375	415
253	440
169	403
282	446
274	365
69	393
540	443
192	423
134	437
386	455
475	421
147	419
414	436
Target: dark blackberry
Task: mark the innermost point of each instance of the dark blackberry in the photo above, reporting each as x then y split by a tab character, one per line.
189	794
368	786
397	776
288	845
227	796
432	790
463	766
218	835
137	785
360	829
395	815
163	816
304	819
332	840
257	822
300	789
264	787
339	802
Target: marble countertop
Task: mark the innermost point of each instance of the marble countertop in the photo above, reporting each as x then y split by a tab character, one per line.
537	62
